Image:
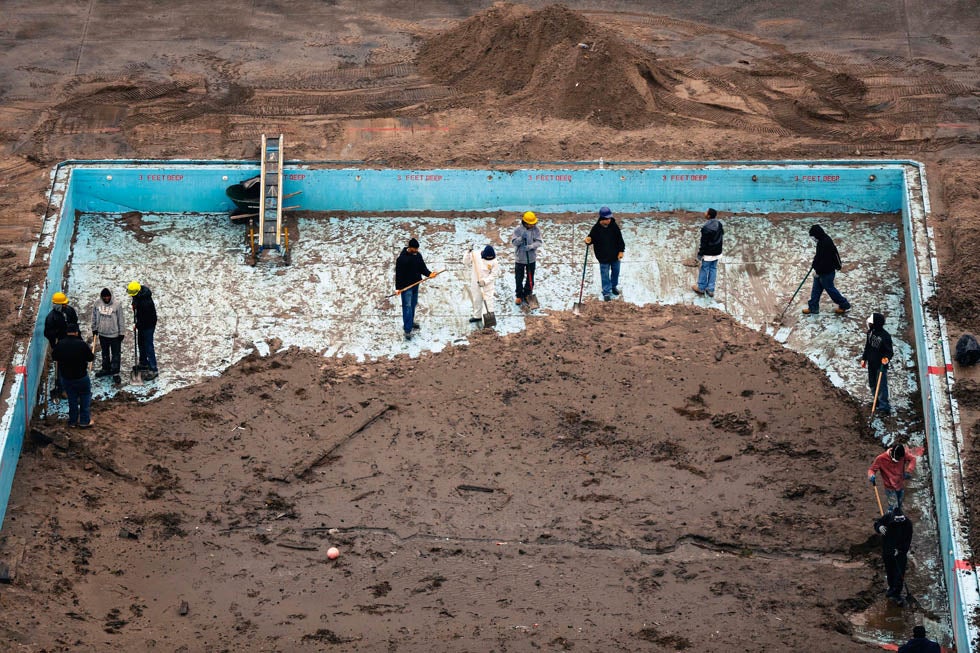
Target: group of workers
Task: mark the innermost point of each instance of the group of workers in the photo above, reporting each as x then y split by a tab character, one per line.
73	355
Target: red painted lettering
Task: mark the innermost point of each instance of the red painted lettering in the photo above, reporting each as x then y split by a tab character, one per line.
296	177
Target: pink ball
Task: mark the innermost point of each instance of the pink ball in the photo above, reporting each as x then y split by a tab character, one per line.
333	553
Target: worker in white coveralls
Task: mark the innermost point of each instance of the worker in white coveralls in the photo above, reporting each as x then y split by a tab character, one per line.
483	276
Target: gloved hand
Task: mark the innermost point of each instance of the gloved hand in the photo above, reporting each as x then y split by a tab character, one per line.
588	240
884	361
871	479
122	336
433	275
398	292
620	257
907	476
882	529
864	363
95	333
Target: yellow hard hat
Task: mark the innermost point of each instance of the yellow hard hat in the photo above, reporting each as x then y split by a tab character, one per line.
133	288
59	298
530	218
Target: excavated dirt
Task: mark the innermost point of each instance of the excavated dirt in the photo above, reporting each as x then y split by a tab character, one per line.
594	483
652	479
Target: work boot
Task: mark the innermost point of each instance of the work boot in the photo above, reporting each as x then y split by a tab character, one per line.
710	293
408	335
606	298
807	311
116	378
86	426
841	311
416	326
149	375
697	290
518	300
475	319
616	290
102	373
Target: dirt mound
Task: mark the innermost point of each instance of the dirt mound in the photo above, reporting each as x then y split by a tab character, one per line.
552	62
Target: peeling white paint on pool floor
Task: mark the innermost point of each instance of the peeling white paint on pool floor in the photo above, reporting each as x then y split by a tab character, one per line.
214	309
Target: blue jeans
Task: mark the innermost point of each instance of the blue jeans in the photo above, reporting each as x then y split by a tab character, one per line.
79	393
894	498
609	273
707	275
148	357
410	299
883	390
823	282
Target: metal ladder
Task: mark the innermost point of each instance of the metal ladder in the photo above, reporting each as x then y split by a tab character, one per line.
270	197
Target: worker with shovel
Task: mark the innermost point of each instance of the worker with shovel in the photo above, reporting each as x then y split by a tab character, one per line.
877	352
608	247
826	263
485	270
526	241
144	324
410	271
896	540
895	466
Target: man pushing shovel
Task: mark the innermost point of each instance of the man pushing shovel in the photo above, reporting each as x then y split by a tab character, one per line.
410	271
485	270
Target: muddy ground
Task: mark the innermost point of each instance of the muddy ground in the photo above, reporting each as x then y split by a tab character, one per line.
634	478
610	523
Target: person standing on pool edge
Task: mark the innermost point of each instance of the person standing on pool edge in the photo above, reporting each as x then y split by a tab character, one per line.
144	324
526	241
826	263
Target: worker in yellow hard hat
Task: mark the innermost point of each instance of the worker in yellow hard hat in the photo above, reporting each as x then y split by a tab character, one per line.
144	324
526	241
56	328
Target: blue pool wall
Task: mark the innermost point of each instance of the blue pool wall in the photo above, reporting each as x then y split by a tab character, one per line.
740	187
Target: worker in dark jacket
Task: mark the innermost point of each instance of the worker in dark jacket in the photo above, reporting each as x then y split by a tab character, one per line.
410	270
608	247
826	263
877	353
709	251
144	324
73	356
896	540
919	643
55	328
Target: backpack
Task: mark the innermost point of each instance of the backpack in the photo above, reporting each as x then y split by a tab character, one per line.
967	350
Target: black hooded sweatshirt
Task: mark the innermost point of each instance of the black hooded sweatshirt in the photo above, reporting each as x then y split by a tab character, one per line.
878	344
409	268
827	258
712	238
144	310
607	242
898	534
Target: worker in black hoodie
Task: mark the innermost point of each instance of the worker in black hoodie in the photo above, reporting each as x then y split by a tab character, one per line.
896	540
877	352
826	263
410	270
608	246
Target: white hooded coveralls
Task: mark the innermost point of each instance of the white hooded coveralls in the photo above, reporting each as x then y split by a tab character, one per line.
487	272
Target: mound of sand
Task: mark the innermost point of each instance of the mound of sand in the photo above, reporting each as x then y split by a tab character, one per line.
551	62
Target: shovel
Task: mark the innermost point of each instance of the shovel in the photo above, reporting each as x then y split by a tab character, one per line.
489	318
577	308
386	302
135	377
532	299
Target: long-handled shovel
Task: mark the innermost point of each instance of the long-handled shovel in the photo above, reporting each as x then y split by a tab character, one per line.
532	299
779	320
577	308
489	318
136	377
386	302
874	403
878	498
